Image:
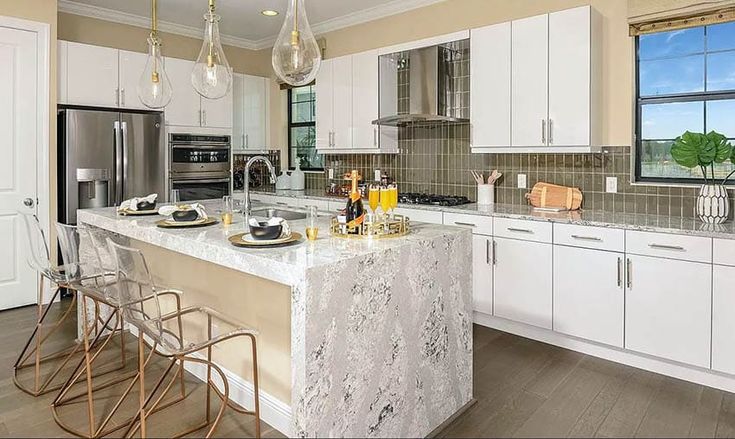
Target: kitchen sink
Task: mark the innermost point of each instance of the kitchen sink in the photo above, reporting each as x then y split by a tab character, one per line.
288	215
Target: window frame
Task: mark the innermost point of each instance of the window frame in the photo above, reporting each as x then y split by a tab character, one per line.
291	125
700	96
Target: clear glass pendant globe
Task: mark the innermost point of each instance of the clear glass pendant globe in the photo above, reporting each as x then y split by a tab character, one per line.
296	55
211	76
154	87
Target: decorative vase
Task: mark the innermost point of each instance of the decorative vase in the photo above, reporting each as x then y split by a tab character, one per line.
713	204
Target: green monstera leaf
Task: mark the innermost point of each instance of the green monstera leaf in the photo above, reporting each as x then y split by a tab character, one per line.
723	148
693	149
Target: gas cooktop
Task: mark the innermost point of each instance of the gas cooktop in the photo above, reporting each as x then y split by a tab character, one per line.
434	200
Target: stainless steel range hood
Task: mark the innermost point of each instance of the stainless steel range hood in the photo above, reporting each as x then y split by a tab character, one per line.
424	86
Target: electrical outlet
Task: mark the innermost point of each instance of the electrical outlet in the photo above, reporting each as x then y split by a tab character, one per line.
331	173
522	181
376	175
611	185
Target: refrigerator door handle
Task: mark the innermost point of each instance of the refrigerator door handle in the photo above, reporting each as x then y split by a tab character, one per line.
118	163
124	156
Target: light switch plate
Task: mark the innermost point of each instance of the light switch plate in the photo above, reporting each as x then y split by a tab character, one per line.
331	173
522	181
376	175
611	185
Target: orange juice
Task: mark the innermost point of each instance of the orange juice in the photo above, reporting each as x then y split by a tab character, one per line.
393	197
385	201
373	198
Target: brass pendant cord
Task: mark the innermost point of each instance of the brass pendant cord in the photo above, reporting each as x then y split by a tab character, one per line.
210	58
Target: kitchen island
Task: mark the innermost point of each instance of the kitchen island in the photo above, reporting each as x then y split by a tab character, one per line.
375	335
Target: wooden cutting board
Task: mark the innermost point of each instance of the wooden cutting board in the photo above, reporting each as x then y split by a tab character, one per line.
552	195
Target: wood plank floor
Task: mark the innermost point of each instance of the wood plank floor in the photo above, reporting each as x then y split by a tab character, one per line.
523	389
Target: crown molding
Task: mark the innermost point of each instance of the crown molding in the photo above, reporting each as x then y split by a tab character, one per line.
71	7
385	10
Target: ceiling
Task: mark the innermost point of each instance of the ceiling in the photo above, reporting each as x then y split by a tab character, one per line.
242	23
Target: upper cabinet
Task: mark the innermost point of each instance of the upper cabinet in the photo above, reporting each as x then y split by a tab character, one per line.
250	114
189	109
91	75
347	104
535	84
132	65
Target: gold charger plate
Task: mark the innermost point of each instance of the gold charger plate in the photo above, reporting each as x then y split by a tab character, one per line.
171	224
128	212
237	241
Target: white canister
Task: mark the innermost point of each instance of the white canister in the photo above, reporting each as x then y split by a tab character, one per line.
485	194
283	182
298	179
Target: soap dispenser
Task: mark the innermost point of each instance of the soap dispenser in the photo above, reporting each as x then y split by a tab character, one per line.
298	179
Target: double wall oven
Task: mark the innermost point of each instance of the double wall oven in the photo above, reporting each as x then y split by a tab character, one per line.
199	166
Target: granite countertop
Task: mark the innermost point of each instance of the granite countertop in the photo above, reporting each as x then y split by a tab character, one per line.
598	218
287	265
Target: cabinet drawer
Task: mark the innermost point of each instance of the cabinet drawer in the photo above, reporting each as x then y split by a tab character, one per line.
538	231
724	251
600	238
423	216
687	248
482	225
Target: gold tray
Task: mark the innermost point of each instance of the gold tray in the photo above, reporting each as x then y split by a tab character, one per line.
164	223
237	241
128	212
398	226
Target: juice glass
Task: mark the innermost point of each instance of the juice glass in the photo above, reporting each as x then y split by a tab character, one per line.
374	198
227	208
312	228
385	200
393	198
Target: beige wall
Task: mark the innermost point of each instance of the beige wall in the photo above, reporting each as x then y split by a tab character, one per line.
121	36
43	11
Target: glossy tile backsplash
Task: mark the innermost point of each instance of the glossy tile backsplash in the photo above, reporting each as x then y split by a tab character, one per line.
437	159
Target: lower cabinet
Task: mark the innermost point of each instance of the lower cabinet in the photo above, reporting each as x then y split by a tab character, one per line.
589	294
482	273
668	309
523	281
723	320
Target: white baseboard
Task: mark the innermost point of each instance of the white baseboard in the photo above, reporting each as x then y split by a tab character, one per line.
705	377
273	411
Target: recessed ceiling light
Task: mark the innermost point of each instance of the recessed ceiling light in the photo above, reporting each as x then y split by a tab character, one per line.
269	13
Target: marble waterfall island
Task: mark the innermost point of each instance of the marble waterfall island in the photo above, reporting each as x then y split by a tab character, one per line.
357	338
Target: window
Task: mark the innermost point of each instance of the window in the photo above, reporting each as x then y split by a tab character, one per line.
302	128
686	81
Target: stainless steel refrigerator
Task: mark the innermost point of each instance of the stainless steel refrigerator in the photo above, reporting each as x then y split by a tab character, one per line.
106	157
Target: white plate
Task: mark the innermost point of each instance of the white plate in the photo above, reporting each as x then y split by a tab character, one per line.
249	239
173	222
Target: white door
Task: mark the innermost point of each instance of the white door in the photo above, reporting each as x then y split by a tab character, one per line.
18	140
490	70
324	90
342	102
482	274
668	309
256	93
184	108
569	77
529	52
238	111
523	281
92	75
217	113
365	100
723	320
132	65
589	294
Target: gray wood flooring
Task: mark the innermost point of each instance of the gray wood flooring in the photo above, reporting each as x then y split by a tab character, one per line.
523	389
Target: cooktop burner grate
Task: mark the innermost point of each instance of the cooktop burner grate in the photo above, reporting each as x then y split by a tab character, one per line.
430	199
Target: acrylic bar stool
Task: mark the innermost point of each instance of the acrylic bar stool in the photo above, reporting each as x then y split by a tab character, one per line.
97	332
31	355
135	283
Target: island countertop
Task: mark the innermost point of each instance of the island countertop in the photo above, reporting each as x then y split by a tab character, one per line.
380	330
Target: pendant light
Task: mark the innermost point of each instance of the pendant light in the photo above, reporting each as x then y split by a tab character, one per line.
154	87
296	56
211	76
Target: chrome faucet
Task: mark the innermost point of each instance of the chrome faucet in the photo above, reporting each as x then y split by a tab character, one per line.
271	169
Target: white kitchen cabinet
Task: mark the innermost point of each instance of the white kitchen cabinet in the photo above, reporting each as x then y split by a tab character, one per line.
482	273
529	88
184	108
92	75
523	281
238	111
490	82
255	112
342	102
723	319
668	309
61	72
589	294
132	65
365	100
420	215
570	51
324	90
217	113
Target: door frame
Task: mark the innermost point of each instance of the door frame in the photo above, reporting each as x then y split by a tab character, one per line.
43	78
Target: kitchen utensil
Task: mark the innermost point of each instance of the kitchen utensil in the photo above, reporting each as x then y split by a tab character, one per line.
245	240
494	176
265	232
551	195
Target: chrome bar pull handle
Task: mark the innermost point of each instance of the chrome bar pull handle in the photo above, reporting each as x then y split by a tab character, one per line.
543	131
514	229
122	97
629	273
620	270
117	97
487	251
586	238
495	248
667	247
551	132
